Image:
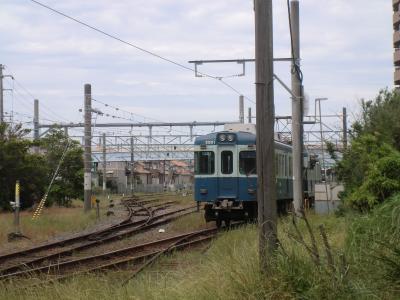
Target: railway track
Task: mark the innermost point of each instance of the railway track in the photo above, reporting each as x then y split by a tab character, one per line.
56	251
136	257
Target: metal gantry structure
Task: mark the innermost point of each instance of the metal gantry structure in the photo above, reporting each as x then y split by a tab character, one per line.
156	146
125	148
318	130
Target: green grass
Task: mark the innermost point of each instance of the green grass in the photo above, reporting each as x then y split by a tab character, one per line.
52	222
229	269
363	267
59	220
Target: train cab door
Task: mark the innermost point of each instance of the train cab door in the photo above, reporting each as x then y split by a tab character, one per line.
227	173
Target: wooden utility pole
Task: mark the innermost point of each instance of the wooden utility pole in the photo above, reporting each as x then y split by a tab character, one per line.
297	111
88	148
266	191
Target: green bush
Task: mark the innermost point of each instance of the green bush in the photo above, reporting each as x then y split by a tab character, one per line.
373	243
381	181
380	117
370	170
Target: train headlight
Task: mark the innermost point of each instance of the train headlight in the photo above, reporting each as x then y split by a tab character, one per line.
203	191
251	191
222	137
231	137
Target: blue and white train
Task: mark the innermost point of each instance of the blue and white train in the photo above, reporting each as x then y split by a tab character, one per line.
226	176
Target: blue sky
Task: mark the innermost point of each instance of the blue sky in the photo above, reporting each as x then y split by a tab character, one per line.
346	55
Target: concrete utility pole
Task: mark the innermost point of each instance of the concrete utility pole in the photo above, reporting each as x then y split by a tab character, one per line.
104	167
266	191
1	95
297	113
322	140
249	115
132	162
164	183
36	123
344	128
241	109
191	132
88	148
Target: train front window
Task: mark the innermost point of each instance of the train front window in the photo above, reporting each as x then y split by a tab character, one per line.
226	162
204	162
247	162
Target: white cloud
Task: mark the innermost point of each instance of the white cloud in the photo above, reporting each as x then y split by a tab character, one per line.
346	53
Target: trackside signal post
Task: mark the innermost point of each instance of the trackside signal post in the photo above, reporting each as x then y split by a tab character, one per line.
17	204
266	191
16	234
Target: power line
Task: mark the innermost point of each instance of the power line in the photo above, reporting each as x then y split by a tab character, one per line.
122	110
130	113
23	99
30	117
238	92
33	97
114	37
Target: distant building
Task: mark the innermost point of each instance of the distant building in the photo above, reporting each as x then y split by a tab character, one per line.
396	41
147	173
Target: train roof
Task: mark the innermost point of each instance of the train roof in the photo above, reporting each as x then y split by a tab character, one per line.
242	138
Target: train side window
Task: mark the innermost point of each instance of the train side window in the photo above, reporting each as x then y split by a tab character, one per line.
283	165
280	165
290	166
277	166
286	165
247	162
204	162
226	162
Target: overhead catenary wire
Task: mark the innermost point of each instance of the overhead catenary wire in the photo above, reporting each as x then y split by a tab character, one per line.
21	97
122	110
45	107
132	114
114	37
24	95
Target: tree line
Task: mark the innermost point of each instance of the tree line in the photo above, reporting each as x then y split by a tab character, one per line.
370	166
19	161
